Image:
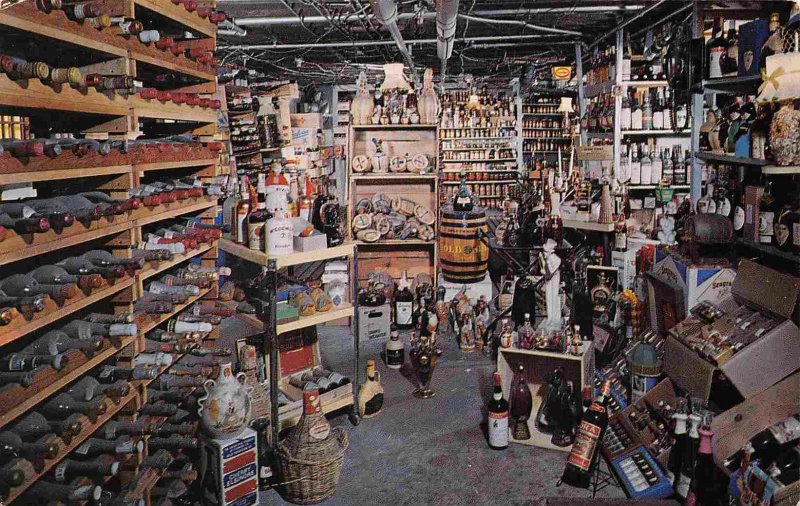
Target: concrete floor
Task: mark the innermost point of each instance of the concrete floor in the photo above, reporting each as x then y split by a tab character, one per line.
434	451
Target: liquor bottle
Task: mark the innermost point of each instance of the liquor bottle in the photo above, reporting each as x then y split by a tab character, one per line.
63	405
521	405
705	489
675	466
658	111
717	46
101	466
498	416
23	362
242	210
625	113
768	443
588	438
636	165
54	274
370	395
463	199
395	350
775	34
12	446
56	342
89	388
33	426
23	285
647	113
689	455
636	113
403	304
646	166
626	58
45	492
93	447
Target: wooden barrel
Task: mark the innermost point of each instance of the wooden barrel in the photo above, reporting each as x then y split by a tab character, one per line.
463	256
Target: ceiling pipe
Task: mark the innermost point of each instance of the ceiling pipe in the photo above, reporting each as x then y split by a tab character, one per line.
625	23
544	39
446	21
230	28
517	22
349	18
386	12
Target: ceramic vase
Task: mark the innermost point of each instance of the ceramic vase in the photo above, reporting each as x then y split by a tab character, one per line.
428	103
363	105
225	409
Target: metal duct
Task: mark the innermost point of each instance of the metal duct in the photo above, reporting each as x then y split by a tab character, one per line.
516	22
230	28
386	12
446	20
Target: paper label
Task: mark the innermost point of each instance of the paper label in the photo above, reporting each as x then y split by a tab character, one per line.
404	311
498	429
585	445
320	431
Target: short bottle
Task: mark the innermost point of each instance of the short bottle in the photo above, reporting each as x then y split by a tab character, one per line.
370	395
395	350
498	417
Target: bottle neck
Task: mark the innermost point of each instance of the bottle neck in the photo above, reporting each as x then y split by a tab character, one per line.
705	441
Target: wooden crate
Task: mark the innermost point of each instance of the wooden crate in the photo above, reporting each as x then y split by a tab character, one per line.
538	364
395	258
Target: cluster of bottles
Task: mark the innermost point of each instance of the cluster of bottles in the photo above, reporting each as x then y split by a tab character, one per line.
544	145
642	164
498	104
478	132
486	154
539	133
542	123
15	127
486	175
244	131
482	190
542	105
459	117
320	379
476	144
240	104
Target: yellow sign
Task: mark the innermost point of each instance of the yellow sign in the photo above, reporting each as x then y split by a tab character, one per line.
561	73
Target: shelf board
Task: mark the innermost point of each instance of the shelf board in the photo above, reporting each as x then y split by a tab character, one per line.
88	429
173	209
456	171
665	133
734	160
344	311
482	160
545	353
542	114
65	377
654	186
473	149
152	268
500	137
268	150
178	14
144	167
769	250
33	94
147	322
732	85
166	60
646	84
18	247
393	127
559	138
589	225
777	170
396	242
281	261
401	176
155	109
14	331
482	182
57	174
478	128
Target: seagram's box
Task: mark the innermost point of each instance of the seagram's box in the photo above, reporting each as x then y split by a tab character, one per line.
706	282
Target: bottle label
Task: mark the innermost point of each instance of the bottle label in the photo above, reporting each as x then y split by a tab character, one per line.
621	242
714	56
84	448
498	429
395	357
60	473
403	311
585	445
320	431
255	236
125	27
786	431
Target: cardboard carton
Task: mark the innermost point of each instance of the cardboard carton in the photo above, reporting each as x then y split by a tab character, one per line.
709	283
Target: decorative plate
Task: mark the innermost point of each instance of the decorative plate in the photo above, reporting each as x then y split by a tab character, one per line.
362	221
368	235
398	164
425	233
419	163
424	215
361	164
382	224
364	206
403	206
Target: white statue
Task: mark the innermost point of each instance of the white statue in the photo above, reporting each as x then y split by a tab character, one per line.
551	263
667	233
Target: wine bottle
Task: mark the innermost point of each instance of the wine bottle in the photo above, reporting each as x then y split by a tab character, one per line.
58	219
104	258
403	304
175	325
56	275
153	359
705	488
165	336
34	426
12	446
83	330
25	305
141	427
588	437
521	405
689	456
162	347
10	477
769	442
171	280
156	255
200	309
121	446
23	362
185	473
56	342
63	405
168	381
45	492
675	466
110	318
176	248
153	307
158	287
183	429
22	226
498	417
173	442
24	379
23	285
7	315
161	459
100	467
89	388
78	265
786	466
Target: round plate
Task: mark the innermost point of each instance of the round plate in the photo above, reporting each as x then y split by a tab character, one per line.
362	221
364	206
382	224
419	163
738	218
398	164
368	235
361	163
425	233
424	215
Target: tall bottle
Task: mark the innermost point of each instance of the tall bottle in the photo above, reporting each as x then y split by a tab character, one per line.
647	113
242	211
636	166
521	405
716	48
729	62
498	416
675	466
370	395
705	489
45	492
463	200
588	437
403	304
636	114
625	113
646	166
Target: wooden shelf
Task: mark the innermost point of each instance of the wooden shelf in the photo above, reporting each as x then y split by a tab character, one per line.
777	170
545	353
64	377
482	160
152	268
490	171
145	216
482	182
20	327
397	242
400	176
733	85
655	186
37	174
394	127
594	90
147	322
281	261
734	160
589	225
473	149
88	429
154	109
35	95
542	114
344	311
144	167
665	133
166	60
17	247
180	15
769	250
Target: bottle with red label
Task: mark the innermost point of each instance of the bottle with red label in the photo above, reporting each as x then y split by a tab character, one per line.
578	471
498	417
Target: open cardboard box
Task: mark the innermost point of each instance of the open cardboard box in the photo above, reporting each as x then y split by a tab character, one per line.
759	365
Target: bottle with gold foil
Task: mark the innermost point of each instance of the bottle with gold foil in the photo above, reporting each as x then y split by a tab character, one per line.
582	456
370	395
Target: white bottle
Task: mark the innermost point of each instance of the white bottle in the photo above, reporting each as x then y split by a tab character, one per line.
158	359
646	167
395	351
657	167
181	327
636	167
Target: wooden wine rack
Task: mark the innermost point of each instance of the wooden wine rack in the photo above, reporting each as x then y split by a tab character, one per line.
107	116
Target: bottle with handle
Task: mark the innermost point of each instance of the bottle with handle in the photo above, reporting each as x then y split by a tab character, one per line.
23	362
44	492
56	342
23	285
100	466
89	388
34	426
61	406
80	265
56	275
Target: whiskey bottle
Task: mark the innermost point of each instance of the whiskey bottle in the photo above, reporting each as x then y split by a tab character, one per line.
45	492
98	468
588	437
63	405
498	416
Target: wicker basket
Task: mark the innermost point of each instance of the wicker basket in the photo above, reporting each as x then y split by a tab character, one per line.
310	481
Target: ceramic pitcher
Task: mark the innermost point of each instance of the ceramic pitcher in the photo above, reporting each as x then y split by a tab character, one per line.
225	409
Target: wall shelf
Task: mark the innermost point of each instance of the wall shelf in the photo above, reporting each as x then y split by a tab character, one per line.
730	159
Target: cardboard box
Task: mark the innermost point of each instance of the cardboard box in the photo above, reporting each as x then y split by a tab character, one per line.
232	466
759	365
374	322
474	290
310	243
307	120
752	205
711	283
